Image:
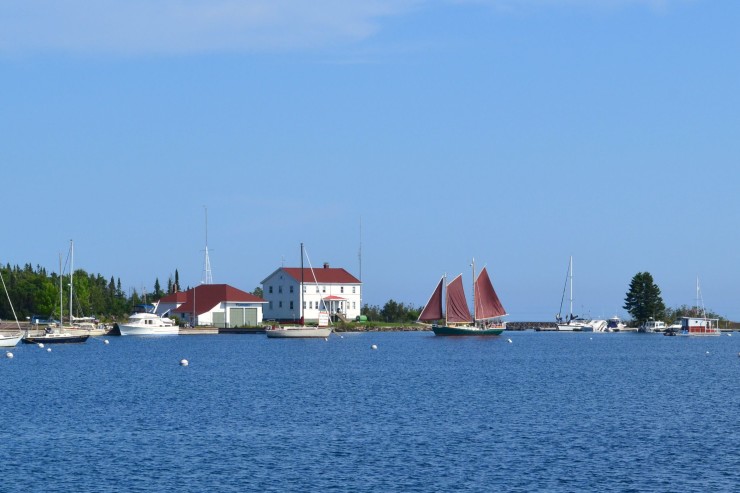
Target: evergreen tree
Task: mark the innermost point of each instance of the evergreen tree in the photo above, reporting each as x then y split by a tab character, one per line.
643	300
157	289
177	281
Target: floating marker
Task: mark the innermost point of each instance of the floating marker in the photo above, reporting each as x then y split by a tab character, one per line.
326	338
9	355
707	352
106	341
509	341
41	345
729	335
184	362
48	350
373	347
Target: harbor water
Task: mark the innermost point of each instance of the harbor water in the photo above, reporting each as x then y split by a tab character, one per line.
556	412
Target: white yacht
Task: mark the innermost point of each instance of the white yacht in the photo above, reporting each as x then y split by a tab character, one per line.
596	326
145	324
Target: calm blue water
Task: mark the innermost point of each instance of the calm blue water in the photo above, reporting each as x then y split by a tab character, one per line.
548	412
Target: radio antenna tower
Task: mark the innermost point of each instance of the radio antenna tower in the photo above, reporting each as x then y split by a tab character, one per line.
207	276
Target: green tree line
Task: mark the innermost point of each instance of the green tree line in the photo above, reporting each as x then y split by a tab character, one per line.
34	291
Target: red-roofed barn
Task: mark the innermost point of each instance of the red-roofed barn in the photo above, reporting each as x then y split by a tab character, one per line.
218	305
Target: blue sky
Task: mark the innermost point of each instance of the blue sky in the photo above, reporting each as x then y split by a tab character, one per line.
515	132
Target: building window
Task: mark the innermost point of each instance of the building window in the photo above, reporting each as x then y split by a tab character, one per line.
341	289
270	289
271	305
291	305
310	305
291	288
323	289
304	305
353	289
353	305
280	289
280	304
304	288
317	288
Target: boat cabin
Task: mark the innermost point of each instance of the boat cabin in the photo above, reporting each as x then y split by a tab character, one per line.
698	326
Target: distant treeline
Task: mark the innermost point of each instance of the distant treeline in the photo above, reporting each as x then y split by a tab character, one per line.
392	311
36	292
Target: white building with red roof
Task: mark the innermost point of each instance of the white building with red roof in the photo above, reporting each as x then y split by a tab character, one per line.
327	289
217	305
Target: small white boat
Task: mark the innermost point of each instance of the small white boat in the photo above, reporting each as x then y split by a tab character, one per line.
615	324
652	326
147	324
298	331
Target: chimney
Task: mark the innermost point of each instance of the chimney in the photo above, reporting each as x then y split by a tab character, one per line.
326	265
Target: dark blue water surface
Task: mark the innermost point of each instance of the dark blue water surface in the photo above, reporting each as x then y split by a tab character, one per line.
547	412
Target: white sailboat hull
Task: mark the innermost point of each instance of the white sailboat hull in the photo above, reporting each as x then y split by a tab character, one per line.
296	332
573	326
10	340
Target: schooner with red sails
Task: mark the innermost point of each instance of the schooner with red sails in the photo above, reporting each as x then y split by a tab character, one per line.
457	320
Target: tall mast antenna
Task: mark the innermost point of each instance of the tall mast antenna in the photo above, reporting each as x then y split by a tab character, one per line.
207	275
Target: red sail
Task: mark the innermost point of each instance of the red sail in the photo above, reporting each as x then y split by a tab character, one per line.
433	309
487	304
457	305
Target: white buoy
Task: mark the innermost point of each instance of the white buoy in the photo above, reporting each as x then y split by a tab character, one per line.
106	341
509	341
41	345
184	362
326	338
729	335
9	355
48	350
373	347
707	352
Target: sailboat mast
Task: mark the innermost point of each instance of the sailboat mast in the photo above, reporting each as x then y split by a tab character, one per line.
71	273
475	310
447	301
61	294
571	288
301	293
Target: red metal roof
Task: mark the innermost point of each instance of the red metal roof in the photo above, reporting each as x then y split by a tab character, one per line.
179	297
331	297
209	295
324	275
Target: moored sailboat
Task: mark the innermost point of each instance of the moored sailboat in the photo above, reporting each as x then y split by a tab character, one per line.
10	340
487	308
59	333
302	331
572	322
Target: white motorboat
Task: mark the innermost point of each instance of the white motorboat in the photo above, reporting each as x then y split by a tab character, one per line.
615	324
595	326
147	324
652	326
